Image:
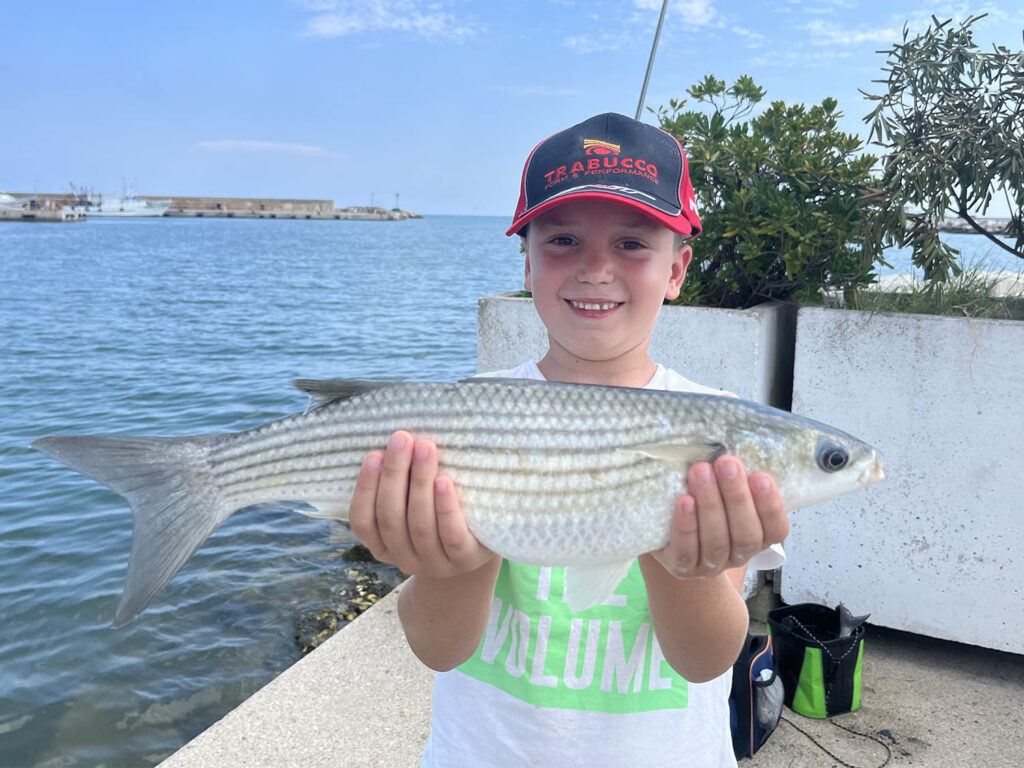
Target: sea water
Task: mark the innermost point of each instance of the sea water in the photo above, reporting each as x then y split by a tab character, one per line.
185	326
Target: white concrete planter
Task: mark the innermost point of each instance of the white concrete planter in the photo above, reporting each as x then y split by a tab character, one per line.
748	352
938	548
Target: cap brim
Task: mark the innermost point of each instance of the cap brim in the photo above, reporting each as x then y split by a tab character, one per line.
678	223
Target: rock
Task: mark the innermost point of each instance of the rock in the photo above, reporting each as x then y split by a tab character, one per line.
362	585
358	553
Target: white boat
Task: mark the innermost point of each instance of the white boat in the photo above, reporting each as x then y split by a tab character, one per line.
124	205
10	202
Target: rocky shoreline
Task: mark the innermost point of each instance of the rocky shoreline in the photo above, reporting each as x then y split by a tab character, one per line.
364	583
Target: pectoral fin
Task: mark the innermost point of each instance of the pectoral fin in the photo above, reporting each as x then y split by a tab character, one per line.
588	585
679	455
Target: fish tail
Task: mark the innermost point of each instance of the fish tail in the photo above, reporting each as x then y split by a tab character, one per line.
176	503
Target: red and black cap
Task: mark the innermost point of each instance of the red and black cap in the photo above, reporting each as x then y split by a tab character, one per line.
616	159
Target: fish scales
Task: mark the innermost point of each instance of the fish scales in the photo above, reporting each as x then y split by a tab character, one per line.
483	465
598	494
549	474
324	444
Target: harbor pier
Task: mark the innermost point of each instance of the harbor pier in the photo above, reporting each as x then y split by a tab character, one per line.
237	207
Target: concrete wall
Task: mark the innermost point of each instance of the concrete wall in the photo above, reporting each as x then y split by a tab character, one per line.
938	548
742	351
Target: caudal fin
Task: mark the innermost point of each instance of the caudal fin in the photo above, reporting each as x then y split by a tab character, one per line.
175	503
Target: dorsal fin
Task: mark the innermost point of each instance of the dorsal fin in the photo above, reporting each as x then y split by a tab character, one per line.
498	380
323	391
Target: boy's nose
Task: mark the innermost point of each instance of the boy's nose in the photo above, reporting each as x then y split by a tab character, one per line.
594	266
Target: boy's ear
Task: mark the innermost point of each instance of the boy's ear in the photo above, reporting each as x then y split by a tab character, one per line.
526	275
680	261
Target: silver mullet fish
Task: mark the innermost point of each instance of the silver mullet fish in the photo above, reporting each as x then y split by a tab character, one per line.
548	474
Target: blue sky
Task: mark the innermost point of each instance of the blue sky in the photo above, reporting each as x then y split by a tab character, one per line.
438	101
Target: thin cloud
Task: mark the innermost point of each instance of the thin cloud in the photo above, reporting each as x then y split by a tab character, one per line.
804	59
697	13
754	39
997	18
352	17
248	145
832	34
636	26
606	41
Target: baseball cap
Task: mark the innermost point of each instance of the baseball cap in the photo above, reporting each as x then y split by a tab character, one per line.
616	159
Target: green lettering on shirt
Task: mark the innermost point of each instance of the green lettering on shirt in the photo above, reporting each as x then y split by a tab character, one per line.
604	659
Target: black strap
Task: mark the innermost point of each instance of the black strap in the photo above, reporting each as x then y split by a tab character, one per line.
840	761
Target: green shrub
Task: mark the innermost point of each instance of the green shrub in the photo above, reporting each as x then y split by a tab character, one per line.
782	196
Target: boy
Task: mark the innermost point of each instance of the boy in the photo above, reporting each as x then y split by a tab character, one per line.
605	210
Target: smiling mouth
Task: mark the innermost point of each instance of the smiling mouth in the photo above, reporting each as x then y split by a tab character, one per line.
594	306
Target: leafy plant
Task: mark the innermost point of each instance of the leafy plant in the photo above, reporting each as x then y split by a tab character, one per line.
952	124
783	197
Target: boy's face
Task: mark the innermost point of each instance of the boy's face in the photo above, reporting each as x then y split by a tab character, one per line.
599	273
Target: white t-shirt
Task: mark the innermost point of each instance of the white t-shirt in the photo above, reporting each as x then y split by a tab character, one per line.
550	687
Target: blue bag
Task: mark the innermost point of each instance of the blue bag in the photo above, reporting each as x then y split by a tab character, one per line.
756	699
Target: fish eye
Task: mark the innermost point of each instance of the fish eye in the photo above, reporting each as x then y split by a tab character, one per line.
832	456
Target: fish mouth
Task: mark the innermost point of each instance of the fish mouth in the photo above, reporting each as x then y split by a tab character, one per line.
873	473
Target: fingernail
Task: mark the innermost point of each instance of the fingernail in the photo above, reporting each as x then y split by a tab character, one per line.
373	461
442	486
420	452
728	469
760	484
702	474
396	443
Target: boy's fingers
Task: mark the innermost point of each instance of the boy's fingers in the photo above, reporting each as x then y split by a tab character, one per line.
682	555
460	545
744	526
393	495
362	514
711	518
770	509
422	519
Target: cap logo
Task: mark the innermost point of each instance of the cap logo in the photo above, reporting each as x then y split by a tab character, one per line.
598	147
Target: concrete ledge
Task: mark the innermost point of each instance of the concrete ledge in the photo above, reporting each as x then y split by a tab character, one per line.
360	699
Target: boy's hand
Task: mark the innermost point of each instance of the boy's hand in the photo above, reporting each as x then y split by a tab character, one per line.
724	520
409	516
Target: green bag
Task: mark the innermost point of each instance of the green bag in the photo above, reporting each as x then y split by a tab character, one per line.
818	653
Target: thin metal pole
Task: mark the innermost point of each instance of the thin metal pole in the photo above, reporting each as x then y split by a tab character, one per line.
650	63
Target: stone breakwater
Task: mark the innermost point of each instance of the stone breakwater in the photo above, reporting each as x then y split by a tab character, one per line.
278	208
242	207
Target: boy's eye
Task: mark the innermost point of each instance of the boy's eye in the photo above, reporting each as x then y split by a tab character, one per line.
561	240
632	245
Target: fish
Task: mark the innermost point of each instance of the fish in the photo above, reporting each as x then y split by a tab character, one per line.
552	474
